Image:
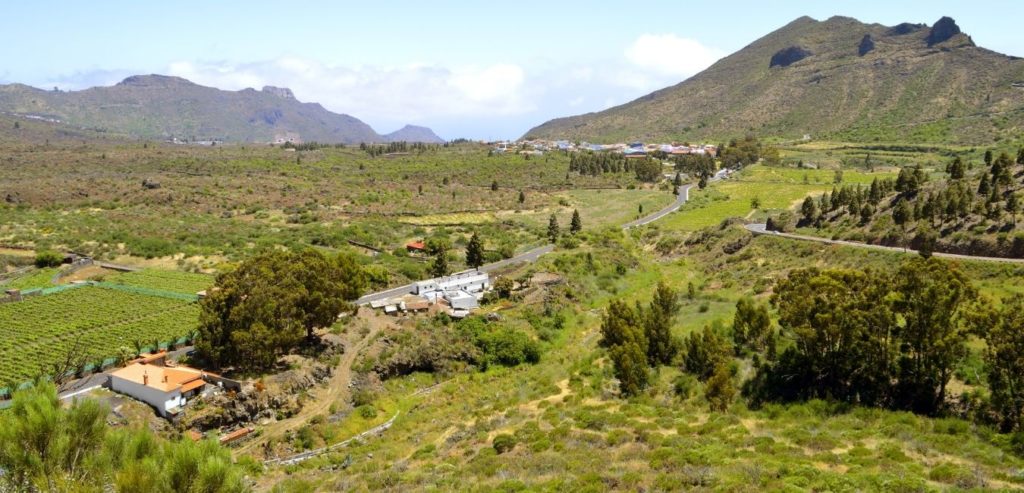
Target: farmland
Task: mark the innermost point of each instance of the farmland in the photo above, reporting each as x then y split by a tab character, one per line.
102	323
164	280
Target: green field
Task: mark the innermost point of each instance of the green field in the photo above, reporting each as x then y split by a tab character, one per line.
775	188
165	280
41	330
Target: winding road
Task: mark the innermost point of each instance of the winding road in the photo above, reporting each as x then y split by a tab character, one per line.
761	229
536	253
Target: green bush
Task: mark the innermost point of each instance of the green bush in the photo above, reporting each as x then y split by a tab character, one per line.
508	347
503	443
367	411
48	258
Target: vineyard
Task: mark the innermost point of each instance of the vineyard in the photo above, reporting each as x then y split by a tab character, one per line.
165	280
40	331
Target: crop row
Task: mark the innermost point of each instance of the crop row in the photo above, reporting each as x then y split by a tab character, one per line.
92	322
167	280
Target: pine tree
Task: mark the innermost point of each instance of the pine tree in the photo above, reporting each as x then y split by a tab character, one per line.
661	348
553	229
439	268
1013	206
630	368
988	157
577	223
983	186
494	186
522	197
1020	155
474	252
809	210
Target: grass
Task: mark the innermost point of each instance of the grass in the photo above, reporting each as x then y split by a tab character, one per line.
775	188
35	278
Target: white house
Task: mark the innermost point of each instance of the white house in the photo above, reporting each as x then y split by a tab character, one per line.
472	282
165	388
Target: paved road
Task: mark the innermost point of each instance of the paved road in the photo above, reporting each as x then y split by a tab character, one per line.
536	253
761	229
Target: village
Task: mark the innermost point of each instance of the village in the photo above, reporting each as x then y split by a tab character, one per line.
631	149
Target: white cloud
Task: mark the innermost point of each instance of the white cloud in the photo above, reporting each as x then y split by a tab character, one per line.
382	95
670	55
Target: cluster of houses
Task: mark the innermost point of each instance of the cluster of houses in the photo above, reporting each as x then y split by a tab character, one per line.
629	149
458	295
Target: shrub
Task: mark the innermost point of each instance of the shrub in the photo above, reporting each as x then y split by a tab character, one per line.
508	347
48	258
503	443
367	411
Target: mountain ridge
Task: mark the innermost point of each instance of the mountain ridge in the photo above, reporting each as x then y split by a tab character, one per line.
907	86
155	106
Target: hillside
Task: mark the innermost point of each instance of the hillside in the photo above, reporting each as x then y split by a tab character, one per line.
840	79
413	133
162	107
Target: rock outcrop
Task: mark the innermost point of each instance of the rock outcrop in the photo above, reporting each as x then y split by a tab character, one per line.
788	56
866	45
944	29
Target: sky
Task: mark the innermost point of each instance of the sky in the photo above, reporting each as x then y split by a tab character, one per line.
472	69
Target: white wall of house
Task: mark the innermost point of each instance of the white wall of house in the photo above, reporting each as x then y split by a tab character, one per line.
162	401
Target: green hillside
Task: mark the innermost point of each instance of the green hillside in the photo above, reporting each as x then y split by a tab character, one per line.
836	79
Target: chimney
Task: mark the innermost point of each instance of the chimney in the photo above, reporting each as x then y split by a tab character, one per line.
145	378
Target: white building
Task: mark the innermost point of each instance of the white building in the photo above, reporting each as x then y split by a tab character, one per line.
165	388
472	282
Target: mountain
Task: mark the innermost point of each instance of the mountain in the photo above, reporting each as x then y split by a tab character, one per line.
413	133
840	79
163	107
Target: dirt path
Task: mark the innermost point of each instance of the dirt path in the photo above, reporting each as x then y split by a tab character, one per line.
321	397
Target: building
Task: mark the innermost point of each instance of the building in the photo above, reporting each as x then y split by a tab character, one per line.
472	282
415	246
165	388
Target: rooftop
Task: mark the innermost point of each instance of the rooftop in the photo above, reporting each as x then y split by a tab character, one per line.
161	378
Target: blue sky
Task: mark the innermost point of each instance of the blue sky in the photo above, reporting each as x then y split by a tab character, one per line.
465	68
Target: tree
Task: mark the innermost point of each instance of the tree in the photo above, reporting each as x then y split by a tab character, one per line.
1013	206
576	225
983	185
17	125
1004	361
750	325
630	368
678	180
48	258
625	340
1020	155
45	446
755	203
956	169
901	215
719	390
494	186
842	327
661	348
474	252
926	240
553	229
809	209
704	351
988	157
930	297
439	267
271	302
522	195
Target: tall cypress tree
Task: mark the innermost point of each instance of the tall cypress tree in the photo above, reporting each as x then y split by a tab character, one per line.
474	252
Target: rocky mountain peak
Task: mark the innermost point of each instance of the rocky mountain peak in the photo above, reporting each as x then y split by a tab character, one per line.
281	92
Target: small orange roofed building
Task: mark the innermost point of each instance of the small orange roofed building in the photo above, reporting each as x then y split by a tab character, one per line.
166	388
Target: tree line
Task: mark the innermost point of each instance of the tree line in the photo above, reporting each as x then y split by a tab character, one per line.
374	150
888	339
596	163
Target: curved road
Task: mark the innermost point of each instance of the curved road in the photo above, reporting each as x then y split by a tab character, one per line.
761	229
536	253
